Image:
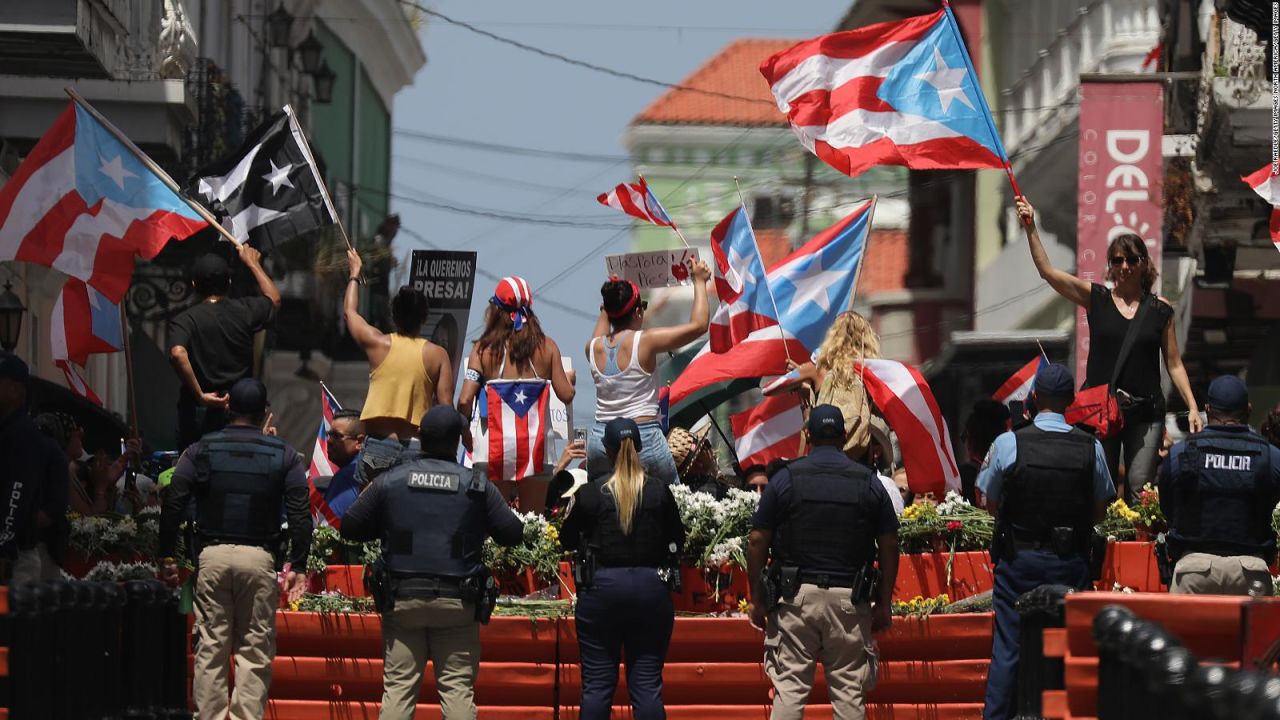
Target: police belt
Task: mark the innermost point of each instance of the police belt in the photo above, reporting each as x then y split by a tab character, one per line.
268	544
431	586
827	579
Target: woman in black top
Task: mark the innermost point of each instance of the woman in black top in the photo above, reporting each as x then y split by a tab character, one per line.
1110	312
631	525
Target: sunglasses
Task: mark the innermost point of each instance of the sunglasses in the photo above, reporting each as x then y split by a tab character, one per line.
1132	260
337	436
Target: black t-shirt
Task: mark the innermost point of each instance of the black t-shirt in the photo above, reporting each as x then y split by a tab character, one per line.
218	337
1140	375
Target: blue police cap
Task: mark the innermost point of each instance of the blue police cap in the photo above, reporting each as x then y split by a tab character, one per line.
1228	393
441	422
618	429
826	422
1054	380
247	397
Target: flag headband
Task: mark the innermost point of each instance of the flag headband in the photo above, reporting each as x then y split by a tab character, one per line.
630	305
514	297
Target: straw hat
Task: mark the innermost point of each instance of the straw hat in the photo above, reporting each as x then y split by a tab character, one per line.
685	445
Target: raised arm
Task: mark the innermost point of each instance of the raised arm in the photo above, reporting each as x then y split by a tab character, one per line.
370	339
1064	283
806	374
666	339
252	259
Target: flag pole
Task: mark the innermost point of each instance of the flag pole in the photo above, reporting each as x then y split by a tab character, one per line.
151	165
673	225
982	96
781	331
857	274
130	386
296	128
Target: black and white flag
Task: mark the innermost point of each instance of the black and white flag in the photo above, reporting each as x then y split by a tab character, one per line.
270	189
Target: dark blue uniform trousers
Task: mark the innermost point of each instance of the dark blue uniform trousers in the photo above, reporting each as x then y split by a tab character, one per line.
626	608
1028	570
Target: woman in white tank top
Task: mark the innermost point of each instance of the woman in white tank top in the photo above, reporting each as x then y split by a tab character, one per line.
623	358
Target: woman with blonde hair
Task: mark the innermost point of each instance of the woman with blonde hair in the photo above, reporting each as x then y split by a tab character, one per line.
631	528
832	375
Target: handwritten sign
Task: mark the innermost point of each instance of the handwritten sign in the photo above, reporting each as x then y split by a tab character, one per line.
655	269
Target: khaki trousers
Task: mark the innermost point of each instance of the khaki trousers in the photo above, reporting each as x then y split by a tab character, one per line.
1204	574
820	624
443	630
236	595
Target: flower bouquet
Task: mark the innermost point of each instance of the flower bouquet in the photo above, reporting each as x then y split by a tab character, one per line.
532	565
715	545
952	525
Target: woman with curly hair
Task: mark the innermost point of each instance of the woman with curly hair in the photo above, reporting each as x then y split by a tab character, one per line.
513	347
833	375
1111	310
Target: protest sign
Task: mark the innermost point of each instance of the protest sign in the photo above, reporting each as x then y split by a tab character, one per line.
653	269
447	278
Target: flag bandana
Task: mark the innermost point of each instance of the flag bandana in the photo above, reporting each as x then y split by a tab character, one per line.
517	427
82	203
894	93
269	190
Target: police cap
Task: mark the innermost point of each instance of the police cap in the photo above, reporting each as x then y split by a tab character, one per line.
1054	380
618	429
826	422
1228	393
441	424
248	397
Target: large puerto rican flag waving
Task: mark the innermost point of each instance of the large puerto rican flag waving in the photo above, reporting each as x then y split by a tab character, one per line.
895	93
517	427
904	397
811	285
320	464
745	304
769	431
1018	386
1266	183
83	203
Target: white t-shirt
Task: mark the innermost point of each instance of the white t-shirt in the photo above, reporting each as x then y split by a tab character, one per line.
892	488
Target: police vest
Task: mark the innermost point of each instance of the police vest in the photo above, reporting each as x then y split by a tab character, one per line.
1223	496
1051	483
646	545
436	519
827	526
239	487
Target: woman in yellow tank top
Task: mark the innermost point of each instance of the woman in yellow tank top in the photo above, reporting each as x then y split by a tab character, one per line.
407	373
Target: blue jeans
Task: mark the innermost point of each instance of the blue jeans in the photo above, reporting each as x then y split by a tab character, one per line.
379	455
655	454
1027	570
626	608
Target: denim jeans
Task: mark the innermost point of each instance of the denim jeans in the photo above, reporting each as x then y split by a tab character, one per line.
625	609
655	455
379	455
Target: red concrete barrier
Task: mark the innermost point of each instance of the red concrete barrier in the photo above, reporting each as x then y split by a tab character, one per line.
360	680
353	635
314	710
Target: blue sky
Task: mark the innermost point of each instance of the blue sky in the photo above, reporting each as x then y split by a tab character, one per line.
477	89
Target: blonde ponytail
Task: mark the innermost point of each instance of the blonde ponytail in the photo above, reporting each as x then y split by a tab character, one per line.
627	484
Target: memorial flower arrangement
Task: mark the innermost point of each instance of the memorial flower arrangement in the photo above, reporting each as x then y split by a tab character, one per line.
114	535
328	546
540	552
920	606
715	530
109	571
1143	521
954	525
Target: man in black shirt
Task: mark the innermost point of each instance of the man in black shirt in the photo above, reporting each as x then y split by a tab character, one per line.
211	343
238	477
33	484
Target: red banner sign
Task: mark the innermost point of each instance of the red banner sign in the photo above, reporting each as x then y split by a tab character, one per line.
1121	180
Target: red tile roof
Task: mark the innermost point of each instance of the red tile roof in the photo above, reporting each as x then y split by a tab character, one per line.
735	70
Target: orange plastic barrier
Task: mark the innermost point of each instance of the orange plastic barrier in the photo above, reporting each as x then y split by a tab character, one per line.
1131	565
352	635
925	574
360	679
812	712
313	710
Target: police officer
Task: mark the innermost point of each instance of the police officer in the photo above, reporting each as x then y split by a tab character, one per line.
626	528
1048	484
826	519
433	516
238	477
1217	490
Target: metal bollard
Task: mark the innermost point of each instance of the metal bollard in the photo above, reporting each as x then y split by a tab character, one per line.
64	639
1110	626
1167	672
177	640
1265	701
27	690
1141	652
1043	607
81	652
141	651
113	610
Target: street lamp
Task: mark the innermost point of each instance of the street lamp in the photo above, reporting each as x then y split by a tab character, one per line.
312	52
324	78
11	312
279	23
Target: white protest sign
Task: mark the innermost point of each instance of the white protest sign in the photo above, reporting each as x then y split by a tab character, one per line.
653	269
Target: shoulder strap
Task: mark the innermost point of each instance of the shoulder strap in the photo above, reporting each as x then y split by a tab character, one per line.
635	351
1129	336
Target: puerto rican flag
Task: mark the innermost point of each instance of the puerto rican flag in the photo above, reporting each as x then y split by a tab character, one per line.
638	201
768	431
1266	182
904	397
84	204
1018	386
83	322
741	286
517	427
894	93
811	285
321	512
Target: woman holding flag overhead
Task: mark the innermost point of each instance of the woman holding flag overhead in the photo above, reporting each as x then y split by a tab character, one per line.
513	347
623	358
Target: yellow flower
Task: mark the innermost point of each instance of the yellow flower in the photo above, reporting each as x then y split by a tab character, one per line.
295	604
552	533
743	606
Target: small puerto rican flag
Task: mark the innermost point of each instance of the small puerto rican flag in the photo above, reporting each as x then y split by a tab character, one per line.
1266	183
517	427
1018	386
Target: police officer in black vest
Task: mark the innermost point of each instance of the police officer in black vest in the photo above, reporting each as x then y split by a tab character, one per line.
432	516
826	519
1048	484
1217	490
238	477
627	531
